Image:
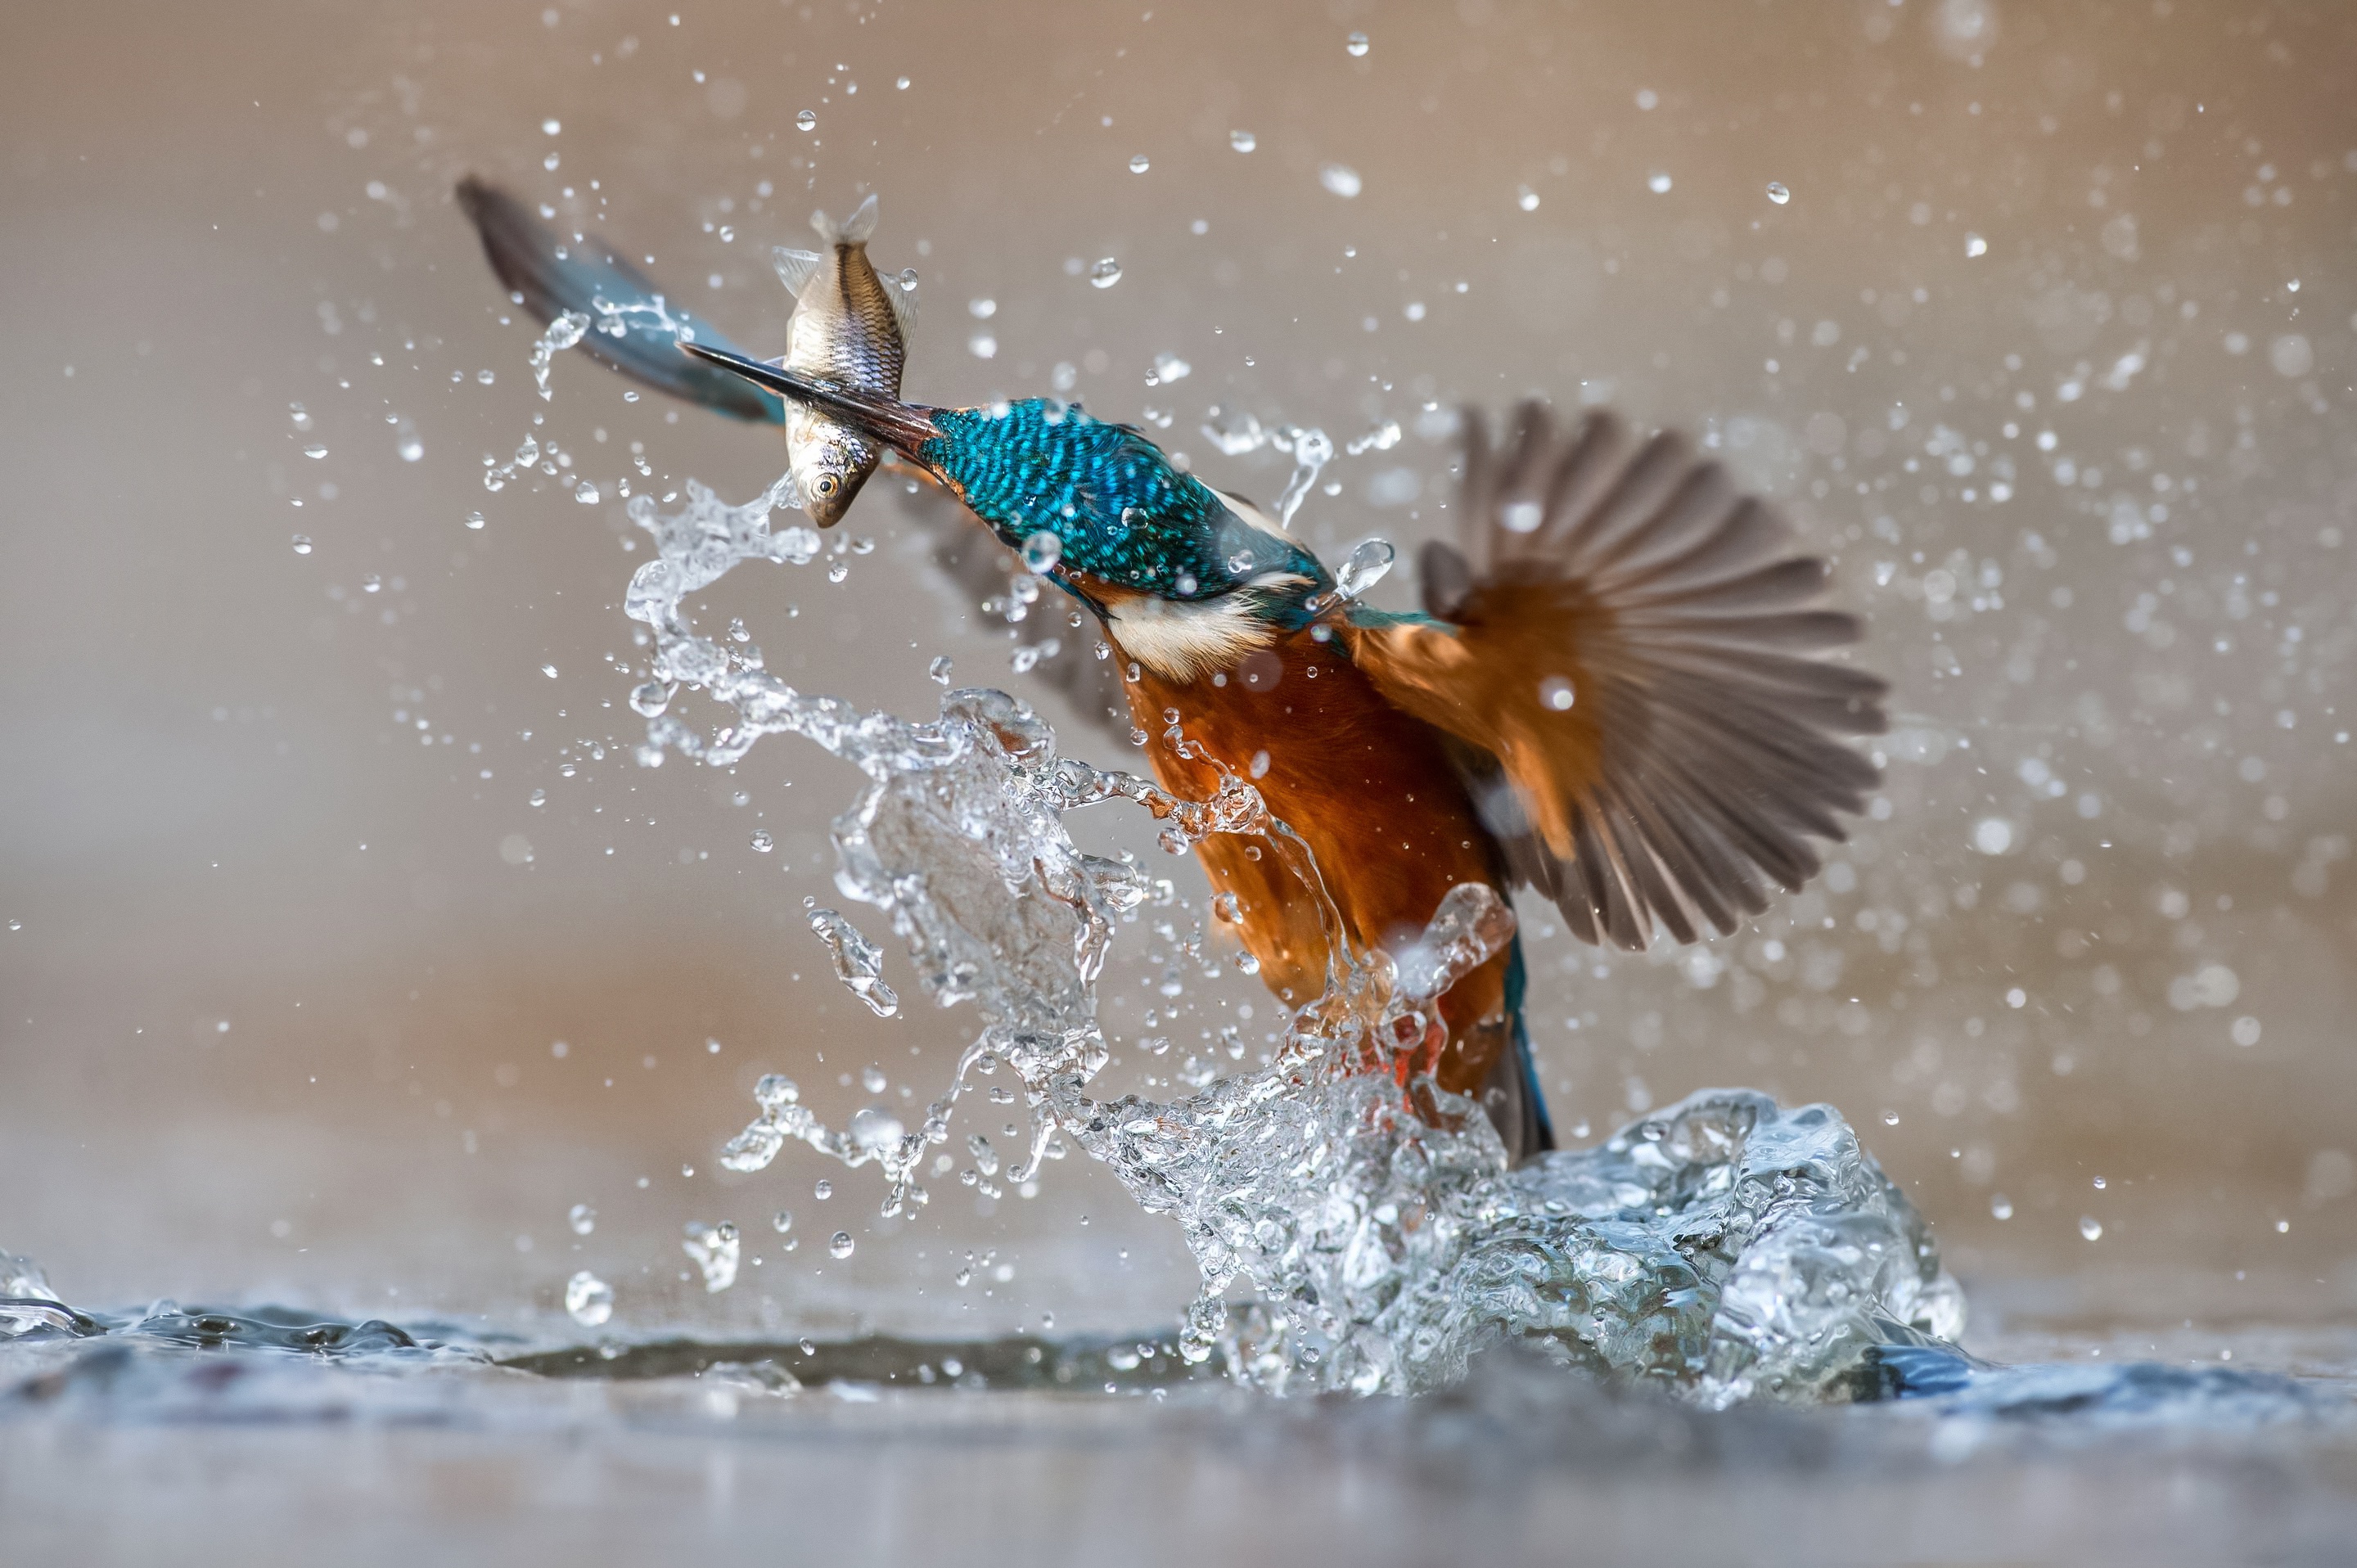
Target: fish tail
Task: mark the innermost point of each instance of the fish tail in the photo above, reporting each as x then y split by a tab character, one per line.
856	230
633	326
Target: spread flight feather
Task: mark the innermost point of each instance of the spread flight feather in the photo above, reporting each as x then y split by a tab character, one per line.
1624	658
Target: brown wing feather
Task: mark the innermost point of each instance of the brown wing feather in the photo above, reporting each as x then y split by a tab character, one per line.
1703	749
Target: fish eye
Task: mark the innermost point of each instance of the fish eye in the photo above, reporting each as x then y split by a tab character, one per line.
827	485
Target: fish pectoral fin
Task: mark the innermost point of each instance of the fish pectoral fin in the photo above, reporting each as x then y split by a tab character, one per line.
1630	648
900	293
795	268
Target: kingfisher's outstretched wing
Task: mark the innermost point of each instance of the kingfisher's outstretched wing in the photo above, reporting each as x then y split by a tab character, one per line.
1624	659
633	326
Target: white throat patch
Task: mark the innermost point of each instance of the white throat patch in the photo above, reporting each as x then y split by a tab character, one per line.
1182	641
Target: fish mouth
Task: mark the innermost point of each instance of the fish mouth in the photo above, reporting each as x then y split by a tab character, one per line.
904	427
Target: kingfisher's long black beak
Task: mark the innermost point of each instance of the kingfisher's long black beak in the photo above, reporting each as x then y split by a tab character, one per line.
903	426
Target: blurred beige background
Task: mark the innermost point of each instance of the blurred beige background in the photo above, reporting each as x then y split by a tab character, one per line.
2050	346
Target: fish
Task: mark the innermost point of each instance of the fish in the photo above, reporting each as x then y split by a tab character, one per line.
848	332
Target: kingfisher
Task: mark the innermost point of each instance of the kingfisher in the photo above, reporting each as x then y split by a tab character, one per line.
1619	691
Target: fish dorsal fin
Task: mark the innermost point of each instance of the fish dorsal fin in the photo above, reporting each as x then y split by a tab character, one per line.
856	230
900	291
795	268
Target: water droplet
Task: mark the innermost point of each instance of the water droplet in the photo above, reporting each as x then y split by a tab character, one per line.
806	121
1226	906
762	842
410	448
585	493
1368	565
1105	274
537	798
372	583
1993	835
1658	183
823	1189
836	571
841	1245
649	698
872	1080
589	1299
716	1249
875	1129
550	127
583	1218
1242	140
1976	246
902	84
1556	694
474	520
549	671
1527	199
1139	165
1341	180
940	669
2091	1228
1042	550
1779	192
1357	44
302	545
315	451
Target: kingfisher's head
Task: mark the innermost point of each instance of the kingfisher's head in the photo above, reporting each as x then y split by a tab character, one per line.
1188	579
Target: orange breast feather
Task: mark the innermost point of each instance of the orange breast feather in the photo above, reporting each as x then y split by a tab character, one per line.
1368	789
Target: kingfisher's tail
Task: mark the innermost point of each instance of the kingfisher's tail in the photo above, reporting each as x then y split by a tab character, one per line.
1512	1095
633	325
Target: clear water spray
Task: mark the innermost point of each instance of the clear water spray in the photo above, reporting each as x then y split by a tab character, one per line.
1354	1225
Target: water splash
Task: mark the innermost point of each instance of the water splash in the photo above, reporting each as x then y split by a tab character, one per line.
1310	447
858	963
1726	1246
562	334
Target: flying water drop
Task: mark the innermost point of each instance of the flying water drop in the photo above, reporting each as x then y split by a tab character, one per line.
583	1218
1139	165
859	964
782	1221
1242	140
302	545
1042	550
1658	184
1341	180
1356	44
841	1246
762	842
1779	192
649	698
1367	566
939	670
715	1249
1105	274
806	121
589	1299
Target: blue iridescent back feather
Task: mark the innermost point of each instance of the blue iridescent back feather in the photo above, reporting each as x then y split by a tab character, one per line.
1121	512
